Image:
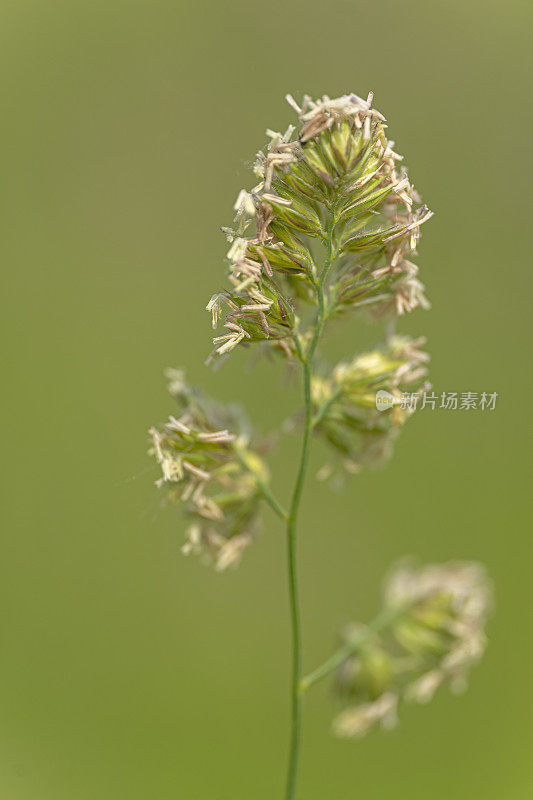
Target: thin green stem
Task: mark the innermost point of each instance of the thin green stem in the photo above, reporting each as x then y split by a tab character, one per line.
322	411
271	499
378	624
296	695
262	485
298	346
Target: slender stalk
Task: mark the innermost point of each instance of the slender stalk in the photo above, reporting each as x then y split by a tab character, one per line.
323	410
296	694
271	500
296	700
378	624
263	486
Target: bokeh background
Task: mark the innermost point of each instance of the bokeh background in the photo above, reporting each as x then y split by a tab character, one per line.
128	127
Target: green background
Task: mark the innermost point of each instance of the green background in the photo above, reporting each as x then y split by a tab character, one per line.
127	671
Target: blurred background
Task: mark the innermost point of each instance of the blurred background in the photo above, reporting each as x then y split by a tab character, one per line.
127	671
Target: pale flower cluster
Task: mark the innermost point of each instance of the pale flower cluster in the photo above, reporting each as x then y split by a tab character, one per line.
211	471
345	401
302	178
435	635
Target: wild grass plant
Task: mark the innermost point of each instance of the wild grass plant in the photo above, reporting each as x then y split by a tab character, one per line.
329	230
